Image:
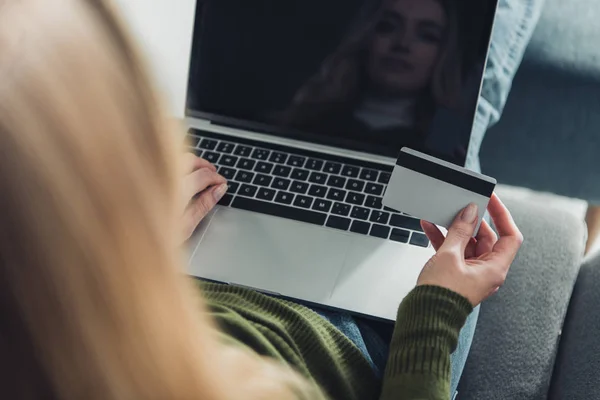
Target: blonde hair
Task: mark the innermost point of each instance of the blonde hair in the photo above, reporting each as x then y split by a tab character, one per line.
94	303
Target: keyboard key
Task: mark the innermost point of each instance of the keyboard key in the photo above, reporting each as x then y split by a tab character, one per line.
316	177
384	177
403	221
263	180
317	191
192	140
418	239
299	174
225	147
360	213
265	194
246	163
284	197
360	227
350	171
247	190
227	173
229	161
368	175
244	176
386	208
278	157
232	187
332	168
380	231
208	144
340	209
380	217
296	161
336	194
336	181
321	205
315	165
211	157
243	151
225	200
299	187
198	153
260	154
355	198
303	201
281	184
281	170
264	167
400	235
277	210
374	202
374	188
355	185
338	222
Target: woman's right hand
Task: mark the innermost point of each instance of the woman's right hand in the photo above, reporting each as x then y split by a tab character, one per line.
473	268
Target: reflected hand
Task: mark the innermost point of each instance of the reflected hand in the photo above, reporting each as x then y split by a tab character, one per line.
472	267
203	187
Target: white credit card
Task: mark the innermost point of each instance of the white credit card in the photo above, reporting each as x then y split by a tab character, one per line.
434	190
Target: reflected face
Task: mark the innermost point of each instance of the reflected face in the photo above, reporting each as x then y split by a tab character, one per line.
406	45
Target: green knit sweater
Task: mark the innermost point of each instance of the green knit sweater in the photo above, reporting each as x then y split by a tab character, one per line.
428	323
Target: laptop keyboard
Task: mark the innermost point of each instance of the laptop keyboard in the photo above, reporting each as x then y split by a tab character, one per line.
316	188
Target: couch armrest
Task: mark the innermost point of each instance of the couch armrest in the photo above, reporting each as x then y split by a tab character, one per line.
517	335
578	361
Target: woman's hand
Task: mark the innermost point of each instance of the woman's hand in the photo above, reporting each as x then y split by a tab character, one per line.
473	268
203	187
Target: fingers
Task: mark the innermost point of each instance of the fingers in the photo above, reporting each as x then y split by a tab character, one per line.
200	207
433	233
192	163
199	180
511	237
486	239
462	229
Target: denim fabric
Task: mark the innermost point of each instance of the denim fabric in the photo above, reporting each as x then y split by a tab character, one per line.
513	28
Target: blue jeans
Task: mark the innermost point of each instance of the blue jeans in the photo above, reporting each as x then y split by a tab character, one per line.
513	27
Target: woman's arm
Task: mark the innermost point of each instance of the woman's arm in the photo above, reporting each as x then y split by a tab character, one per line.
463	272
429	321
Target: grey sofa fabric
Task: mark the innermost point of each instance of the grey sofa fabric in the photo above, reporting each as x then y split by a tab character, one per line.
549	135
577	373
518	331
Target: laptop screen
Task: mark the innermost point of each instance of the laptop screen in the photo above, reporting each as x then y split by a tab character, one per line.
371	75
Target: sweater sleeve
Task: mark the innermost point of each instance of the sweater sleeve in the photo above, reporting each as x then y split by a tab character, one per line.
427	327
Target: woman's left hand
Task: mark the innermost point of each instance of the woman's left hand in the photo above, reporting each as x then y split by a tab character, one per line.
203	188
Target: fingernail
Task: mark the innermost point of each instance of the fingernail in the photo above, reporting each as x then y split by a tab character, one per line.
219	192
469	214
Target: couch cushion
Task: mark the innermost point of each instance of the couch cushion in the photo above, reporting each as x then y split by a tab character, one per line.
547	138
576	372
517	335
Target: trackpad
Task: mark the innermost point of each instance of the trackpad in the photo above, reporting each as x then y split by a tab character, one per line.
269	253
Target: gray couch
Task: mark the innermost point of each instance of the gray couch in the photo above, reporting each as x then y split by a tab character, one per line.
548	140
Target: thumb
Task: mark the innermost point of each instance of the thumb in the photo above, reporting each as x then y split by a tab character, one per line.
462	229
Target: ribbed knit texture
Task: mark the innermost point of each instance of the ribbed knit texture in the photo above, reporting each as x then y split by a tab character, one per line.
428	324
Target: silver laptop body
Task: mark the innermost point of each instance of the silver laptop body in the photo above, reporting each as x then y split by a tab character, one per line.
331	248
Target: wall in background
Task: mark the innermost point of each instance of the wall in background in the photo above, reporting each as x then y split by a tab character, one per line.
164	29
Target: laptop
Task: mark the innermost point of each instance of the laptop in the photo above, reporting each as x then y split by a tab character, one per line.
303	106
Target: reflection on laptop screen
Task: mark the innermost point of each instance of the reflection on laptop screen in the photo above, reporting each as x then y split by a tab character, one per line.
374	75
